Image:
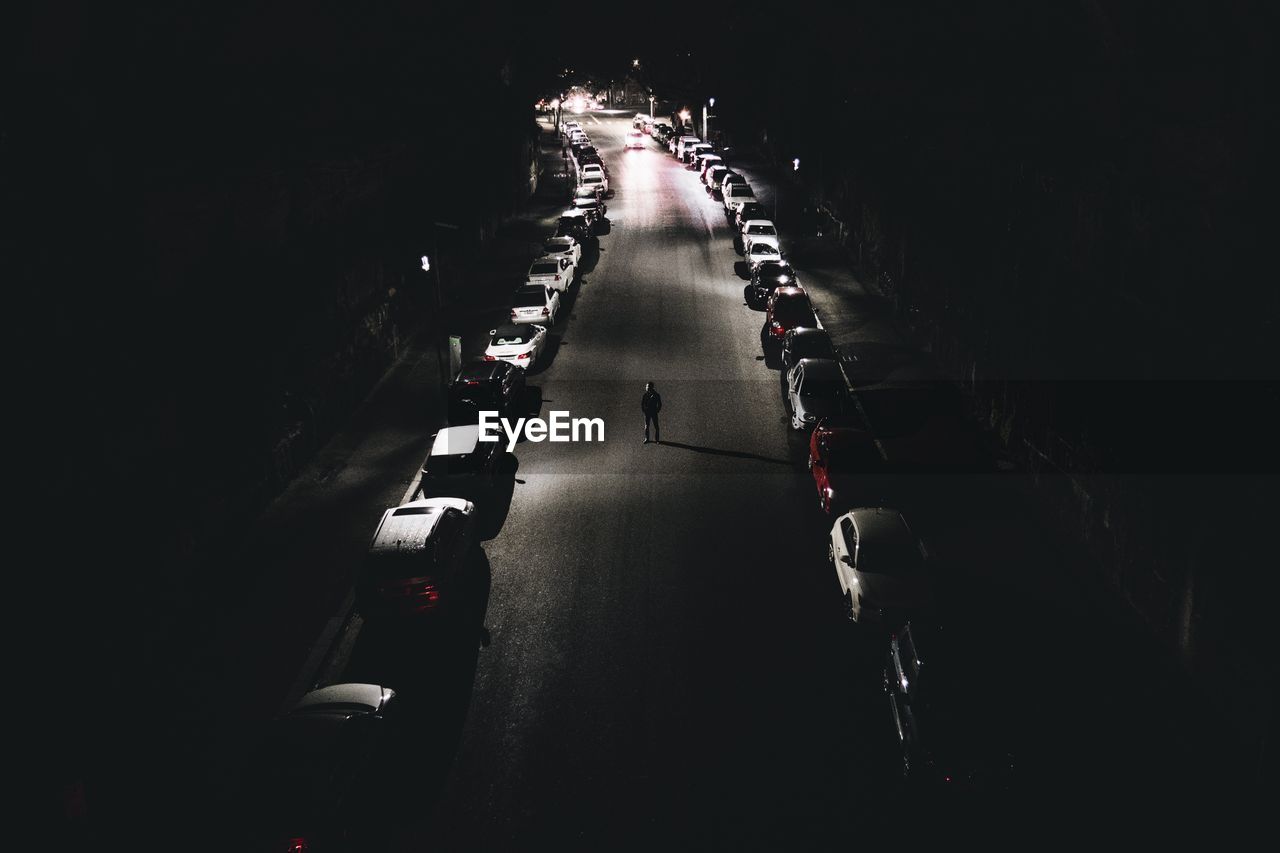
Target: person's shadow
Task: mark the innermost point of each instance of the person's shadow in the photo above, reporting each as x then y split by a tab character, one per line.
716	451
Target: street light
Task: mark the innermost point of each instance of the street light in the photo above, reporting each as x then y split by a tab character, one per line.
651	104
795	167
706	119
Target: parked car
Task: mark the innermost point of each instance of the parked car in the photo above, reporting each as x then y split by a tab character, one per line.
759	231
596	181
535	303
787	308
940	683
767	277
881	566
842	451
804	342
757	253
714	176
684	142
417	559
816	390
747	212
735	195
706	162
573	224
563	247
586	169
634	139
640	120
314	776
459	462
556	273
520	345
661	132
590	157
691	152
485	386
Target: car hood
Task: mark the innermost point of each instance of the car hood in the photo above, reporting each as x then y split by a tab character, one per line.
887	591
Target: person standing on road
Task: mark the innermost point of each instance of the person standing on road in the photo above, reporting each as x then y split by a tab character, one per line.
651	404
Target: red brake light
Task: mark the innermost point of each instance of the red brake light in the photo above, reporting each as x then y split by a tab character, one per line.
297	845
546	312
490	358
557	278
522	356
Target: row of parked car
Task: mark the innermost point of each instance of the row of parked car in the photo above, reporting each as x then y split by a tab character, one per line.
858	441
417	564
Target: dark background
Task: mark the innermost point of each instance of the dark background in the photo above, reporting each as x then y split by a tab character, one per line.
206	205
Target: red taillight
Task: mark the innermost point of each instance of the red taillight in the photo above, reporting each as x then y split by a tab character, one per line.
546	312
514	314
557	278
522	356
776	329
296	845
490	358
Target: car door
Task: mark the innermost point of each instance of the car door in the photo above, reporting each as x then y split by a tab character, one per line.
845	546
553	301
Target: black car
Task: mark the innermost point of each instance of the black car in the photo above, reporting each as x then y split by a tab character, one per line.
805	342
765	278
485	386
572	226
748	211
586	158
460	464
946	700
315	777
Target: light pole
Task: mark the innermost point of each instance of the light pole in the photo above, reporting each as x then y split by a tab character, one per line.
706	119
651	115
795	167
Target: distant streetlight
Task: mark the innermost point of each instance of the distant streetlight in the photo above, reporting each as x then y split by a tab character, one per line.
795	165
426	264
635	63
706	119
684	118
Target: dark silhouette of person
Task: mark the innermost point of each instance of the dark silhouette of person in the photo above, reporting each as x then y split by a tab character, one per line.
651	404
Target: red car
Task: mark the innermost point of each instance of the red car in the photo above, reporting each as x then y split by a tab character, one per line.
840	450
788	308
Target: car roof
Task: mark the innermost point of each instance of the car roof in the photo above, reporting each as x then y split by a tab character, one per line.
544	260
808	332
883	535
750	222
821	368
530	288
406	529
456	440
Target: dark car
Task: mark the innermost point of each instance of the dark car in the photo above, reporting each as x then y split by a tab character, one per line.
590	157
459	463
805	342
767	277
945	700
485	386
315	777
714	175
788	308
748	211
573	226
416	560
843	458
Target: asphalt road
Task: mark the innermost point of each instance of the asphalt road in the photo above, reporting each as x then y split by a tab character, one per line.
654	651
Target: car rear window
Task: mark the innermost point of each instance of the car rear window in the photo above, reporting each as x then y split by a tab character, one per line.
555	248
794	312
812	346
530	299
741	189
510	340
545	268
761	229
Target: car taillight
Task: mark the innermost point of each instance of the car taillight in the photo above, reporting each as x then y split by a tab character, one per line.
522	356
776	329
557	278
546	312
296	845
490	358
514	314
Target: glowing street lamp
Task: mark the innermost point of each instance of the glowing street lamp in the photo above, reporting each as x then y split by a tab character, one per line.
706	119
795	165
684	116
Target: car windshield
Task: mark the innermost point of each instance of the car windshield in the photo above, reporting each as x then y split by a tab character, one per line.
812	346
741	190
828	388
793	312
534	298
510	339
761	229
763	249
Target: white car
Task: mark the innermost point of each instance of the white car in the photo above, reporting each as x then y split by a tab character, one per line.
736	195
535	303
592	169
570	126
635	139
595	180
641	119
563	247
684	142
519	345
759	231
758	252
556	273
816	389
881	566
706	162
